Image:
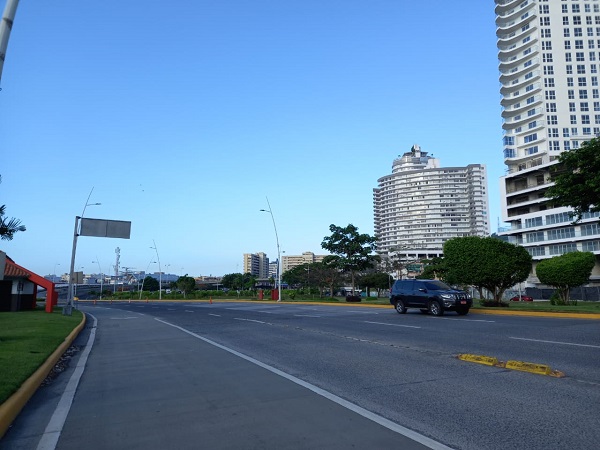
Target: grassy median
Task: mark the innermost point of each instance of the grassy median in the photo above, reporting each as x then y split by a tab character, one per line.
27	339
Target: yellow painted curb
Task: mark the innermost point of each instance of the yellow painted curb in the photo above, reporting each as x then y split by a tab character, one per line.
556	315
11	408
539	369
480	359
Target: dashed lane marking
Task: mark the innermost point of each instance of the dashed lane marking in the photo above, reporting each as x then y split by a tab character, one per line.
392	324
555	342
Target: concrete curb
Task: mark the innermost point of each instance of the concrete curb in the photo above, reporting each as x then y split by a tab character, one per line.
11	408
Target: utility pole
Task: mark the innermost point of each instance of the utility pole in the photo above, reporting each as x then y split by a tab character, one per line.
5	27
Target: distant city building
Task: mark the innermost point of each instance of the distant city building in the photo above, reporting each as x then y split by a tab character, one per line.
421	205
256	264
549	56
291	261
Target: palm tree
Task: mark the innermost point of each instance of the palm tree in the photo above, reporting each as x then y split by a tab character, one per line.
8	227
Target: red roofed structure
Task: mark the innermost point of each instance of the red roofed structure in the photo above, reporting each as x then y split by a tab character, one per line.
19	286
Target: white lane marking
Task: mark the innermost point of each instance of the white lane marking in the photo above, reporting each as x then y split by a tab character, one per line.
216	315
305	315
555	342
57	421
466	320
392	324
249	320
123	318
428	442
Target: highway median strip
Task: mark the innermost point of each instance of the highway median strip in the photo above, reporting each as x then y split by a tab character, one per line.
540	369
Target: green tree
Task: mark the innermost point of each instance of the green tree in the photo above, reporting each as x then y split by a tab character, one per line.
150	284
296	276
8	227
434	268
326	276
486	263
377	280
577	179
186	284
352	251
565	272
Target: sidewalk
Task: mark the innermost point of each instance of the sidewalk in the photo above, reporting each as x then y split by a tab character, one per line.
148	385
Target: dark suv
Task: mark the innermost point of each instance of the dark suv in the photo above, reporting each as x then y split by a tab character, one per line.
429	296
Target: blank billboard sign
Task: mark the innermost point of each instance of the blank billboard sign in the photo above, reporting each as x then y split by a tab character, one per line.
105	228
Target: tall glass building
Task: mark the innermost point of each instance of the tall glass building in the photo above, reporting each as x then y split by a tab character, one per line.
549	54
421	205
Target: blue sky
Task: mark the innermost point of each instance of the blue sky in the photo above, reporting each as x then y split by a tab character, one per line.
183	116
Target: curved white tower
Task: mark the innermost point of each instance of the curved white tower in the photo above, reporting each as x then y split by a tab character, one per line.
549	55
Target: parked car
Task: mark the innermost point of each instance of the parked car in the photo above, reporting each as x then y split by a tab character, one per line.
430	296
523	298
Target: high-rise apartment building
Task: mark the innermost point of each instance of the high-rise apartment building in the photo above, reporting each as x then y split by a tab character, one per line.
549	54
257	264
421	205
291	261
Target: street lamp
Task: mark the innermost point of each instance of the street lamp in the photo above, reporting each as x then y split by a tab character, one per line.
159	271
145	275
101	275
54	279
278	251
67	310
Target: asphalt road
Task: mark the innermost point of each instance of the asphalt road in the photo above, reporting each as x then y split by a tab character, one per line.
401	368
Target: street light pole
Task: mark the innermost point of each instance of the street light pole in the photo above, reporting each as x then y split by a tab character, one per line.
278	250
101	275
159	271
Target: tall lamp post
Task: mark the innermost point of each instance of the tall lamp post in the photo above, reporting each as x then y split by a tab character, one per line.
159	271
54	279
278	251
101	275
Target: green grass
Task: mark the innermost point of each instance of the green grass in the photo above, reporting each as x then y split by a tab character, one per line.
545	306
27	339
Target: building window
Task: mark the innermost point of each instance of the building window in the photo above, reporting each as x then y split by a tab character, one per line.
573	119
553	132
561	249
537	251
533	222
584	106
531	125
567	145
549	82
580	56
591	246
553	120
569	69
565	132
571	94
531	150
583	93
534	237
587	131
549	70
547	57
555	146
567	45
530	138
580	69
552	219
567	57
585	119
551	107
577	32
570	81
